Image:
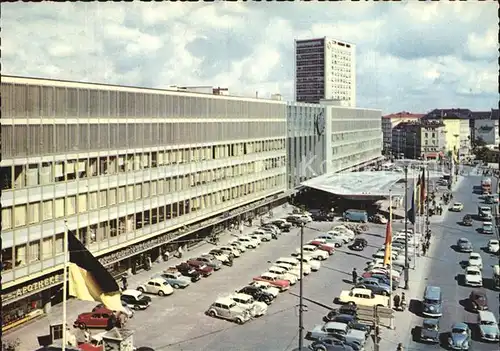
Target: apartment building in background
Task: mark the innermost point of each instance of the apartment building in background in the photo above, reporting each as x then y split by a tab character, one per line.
130	170
419	140
389	122
325	68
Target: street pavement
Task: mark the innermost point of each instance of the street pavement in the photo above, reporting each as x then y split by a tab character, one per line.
441	267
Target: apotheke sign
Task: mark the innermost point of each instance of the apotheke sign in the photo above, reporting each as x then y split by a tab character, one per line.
32	288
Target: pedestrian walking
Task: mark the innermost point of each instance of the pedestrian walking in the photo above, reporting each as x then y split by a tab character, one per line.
354	276
241	228
424	250
397	301
124	282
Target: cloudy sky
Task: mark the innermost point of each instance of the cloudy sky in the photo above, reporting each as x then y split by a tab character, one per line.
410	56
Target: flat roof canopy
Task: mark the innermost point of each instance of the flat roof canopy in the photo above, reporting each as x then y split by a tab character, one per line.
370	184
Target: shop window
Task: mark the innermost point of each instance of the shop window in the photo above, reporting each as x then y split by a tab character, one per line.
34	212
20	255
20	215
6	218
48	248
34	251
70	205
7	259
47	210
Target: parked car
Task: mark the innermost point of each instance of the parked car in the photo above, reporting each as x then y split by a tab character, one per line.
460	336
263	234
201	267
256	237
248	242
473	276
228	249
464	245
379	218
493	246
314	264
157	286
283	224
306	269
282	273
175	279
478	300
352	322
259	294
429	331
256	308
209	261
355	216
475	260
488	326
375	286
382	278
187	271
321	215
467	221
96	319
312	251
289	269
265	286
238	245
487	228
220	255
228	309
328	248
296	220
363	297
274	280
330	344
330	239
359	244
135	299
126	309
330	329
271	227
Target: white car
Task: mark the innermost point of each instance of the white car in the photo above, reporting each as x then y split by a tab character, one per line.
314	264
457	207
289	268
384	271
282	274
263	234
339	236
344	229
475	260
323	242
256	308
473	276
306	269
306	217
380	254
493	246
314	252
238	245
248	242
230	250
327	238
256	237
156	286
267	287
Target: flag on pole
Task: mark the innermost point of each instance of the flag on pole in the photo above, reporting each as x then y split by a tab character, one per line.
88	279
422	193
388	236
412	213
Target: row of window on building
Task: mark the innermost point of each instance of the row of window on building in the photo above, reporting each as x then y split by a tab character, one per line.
17	177
35	212
39	250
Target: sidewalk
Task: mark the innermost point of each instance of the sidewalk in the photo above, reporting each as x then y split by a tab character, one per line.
27	334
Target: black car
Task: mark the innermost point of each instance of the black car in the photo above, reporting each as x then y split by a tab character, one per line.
321	216
359	244
467	221
285	226
295	220
430	330
257	294
342	310
187	271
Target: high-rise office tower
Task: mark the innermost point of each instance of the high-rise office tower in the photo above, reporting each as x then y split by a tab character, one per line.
325	68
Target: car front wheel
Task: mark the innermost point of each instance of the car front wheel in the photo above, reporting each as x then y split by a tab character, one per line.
212	314
141	290
161	293
239	321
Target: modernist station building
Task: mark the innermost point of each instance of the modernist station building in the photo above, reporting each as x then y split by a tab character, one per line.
128	171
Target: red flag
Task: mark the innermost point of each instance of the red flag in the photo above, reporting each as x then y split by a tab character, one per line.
388	243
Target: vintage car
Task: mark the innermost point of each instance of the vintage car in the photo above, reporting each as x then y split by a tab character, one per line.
256	308
362	297
467	221
374	285
126	309
330	240
460	336
274	280
359	244
186	270
493	246
464	245
306	269
95	319
488	326
265	286
175	279
283	274
352	322
379	218
226	308
342	310
323	245
473	276
487	228
230	250
210	261
282	224
478	300
429	332
475	260
200	267
336	328
457	207
135	299
258	294
313	252
158	286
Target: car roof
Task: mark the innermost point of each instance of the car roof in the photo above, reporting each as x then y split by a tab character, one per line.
240	296
460	325
487	223
336	325
473	268
362	291
463	239
475	254
487	316
269	274
310	246
131	292
433	321
224	300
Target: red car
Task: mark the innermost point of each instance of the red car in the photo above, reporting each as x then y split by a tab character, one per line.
200	267
95	319
322	247
273	279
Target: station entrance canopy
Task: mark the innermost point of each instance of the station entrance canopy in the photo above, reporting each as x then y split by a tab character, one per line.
359	185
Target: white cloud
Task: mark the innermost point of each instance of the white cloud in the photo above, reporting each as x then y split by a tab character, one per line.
410	56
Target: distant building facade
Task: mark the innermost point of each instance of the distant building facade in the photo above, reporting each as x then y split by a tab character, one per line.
414	140
325	68
487	130
389	122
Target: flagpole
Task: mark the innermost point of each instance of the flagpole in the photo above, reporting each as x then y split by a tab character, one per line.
414	219
65	285
391	325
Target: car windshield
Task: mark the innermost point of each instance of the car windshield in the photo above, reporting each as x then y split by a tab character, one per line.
473	272
458	331
463	241
487	323
431	302
232	305
335	331
430	326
